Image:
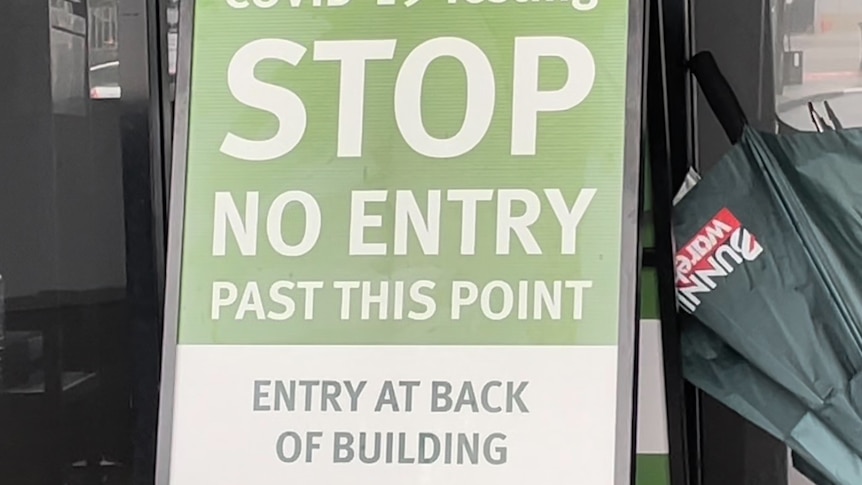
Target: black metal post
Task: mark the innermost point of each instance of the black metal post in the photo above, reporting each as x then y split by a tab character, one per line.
671	152
143	103
659	156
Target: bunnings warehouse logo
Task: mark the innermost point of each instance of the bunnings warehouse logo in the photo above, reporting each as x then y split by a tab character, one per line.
714	252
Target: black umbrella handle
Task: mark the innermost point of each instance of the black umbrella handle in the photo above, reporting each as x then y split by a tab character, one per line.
719	95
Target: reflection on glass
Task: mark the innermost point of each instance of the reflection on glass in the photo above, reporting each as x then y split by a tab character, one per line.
818	57
104	51
80	312
173	21
68	57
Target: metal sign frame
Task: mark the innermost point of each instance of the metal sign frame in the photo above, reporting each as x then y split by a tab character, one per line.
630	258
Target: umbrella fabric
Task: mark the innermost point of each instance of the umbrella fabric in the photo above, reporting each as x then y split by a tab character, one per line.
769	263
725	375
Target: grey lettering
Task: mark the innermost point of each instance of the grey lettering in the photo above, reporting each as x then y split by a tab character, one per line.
402	450
343	449
308	385
312	437
486	403
390	438
387	397
408	393
514	397
467	398
469	448
354	393
495	455
260	395
440	391
330	392
297	447
447	452
424	458
283	396
363	446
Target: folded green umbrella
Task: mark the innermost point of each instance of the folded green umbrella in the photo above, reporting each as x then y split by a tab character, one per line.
769	265
724	374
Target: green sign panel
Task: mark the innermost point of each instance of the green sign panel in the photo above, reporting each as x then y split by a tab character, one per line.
403	246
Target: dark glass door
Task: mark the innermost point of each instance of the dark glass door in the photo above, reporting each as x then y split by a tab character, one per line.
81	238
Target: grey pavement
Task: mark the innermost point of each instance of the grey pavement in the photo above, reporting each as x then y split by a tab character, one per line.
831	64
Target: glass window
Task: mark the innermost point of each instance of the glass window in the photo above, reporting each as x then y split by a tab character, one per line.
79	309
104	58
172	31
818	60
68	40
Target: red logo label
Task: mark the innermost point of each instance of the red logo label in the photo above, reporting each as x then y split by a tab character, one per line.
721	246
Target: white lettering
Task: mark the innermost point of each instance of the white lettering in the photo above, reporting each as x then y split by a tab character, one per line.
460	299
359	221
499	300
517	211
276	295
426	301
279	299
353	56
469	199
506	305
569	218
346	288
224	294
281	102
480	97
251	302
528	101
313	221
508	223
427	229
244	230
578	288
